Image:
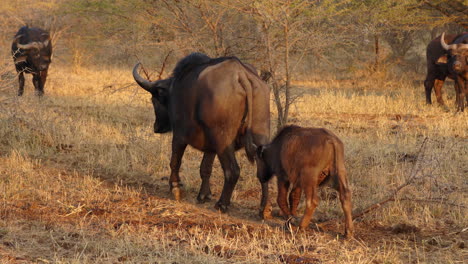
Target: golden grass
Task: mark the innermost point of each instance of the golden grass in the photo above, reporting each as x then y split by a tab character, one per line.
84	180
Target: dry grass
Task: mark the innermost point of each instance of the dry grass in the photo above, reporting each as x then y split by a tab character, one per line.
84	180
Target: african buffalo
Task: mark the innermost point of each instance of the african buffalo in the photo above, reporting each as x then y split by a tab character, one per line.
437	69
217	106
32	51
457	65
305	158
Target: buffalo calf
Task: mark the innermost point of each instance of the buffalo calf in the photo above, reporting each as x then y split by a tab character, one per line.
305	158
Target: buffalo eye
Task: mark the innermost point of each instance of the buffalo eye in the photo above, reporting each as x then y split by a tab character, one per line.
161	95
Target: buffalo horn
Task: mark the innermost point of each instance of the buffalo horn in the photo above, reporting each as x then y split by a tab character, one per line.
442	42
17	37
463	46
32	45
145	84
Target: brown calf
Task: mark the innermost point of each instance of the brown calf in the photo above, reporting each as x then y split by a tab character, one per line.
305	158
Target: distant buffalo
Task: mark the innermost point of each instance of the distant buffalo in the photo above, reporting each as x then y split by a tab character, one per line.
217	106
437	67
304	159
32	51
457	65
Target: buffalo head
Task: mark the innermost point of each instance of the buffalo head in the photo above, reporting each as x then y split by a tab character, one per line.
160	91
265	158
457	56
37	52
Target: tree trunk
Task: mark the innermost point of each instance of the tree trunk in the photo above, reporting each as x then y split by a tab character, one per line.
287	100
377	52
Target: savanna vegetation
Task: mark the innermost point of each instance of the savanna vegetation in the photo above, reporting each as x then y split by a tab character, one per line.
83	178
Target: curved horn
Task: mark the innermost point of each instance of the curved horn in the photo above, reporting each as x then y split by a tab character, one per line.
32	45
442	42
145	84
462	46
18	37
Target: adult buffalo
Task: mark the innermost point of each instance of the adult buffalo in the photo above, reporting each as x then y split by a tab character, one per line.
457	65
217	106
32	51
437	69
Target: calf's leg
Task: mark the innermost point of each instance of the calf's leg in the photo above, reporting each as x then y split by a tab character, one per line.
282	201
294	198
309	185
345	199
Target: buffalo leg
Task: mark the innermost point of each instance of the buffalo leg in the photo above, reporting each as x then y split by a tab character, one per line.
466	92
309	184
178	150
38	84
461	93
294	198
428	84
231	176
458	95
265	205
438	91
205	174
21	83
282	201
43	79
345	199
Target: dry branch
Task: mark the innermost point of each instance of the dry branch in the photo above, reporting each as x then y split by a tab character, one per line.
413	175
164	64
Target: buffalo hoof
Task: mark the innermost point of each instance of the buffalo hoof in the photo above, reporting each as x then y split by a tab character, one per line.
349	234
265	213
445	108
203	198
221	207
177	193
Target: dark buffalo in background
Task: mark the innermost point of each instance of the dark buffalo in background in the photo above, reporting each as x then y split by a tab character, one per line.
303	159
32	51
437	69
217	106
457	65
